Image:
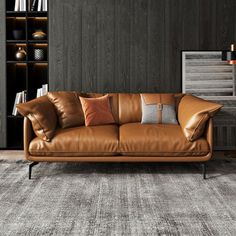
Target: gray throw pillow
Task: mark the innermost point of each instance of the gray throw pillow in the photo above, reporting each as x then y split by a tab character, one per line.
158	113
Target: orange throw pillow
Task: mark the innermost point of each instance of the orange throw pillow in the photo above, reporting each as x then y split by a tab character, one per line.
97	111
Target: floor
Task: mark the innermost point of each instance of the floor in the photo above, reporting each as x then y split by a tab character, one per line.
12	155
117	198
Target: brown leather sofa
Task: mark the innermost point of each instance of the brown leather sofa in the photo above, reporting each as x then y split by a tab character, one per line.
126	141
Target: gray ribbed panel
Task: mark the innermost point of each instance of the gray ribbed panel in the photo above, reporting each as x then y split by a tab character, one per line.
204	74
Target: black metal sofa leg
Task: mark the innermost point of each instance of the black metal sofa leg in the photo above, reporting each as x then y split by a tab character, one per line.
30	167
204	170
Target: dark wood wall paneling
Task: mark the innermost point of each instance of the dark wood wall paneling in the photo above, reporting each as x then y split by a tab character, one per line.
132	45
3	123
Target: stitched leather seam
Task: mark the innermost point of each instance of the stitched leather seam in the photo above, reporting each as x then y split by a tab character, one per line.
167	152
36	150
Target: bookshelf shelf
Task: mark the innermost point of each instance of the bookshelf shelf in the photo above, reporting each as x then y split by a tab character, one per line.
16	13
38	41
16	41
27	62
17	62
28	74
39	13
15	117
38	62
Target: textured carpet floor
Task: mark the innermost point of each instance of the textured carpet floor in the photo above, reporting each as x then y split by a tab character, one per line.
117	199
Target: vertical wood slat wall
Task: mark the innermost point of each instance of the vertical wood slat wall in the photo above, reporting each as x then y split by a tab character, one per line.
132	45
207	76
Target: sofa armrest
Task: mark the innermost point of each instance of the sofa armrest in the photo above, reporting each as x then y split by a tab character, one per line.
28	135
194	113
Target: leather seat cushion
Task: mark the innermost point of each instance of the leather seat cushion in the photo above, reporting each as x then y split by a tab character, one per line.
79	141
159	140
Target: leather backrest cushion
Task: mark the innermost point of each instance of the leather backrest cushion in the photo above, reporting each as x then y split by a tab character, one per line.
125	107
130	110
42	115
193	113
68	108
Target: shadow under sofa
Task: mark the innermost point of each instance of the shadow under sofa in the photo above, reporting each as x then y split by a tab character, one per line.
125	141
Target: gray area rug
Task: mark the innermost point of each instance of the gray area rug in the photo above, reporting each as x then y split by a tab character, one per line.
117	199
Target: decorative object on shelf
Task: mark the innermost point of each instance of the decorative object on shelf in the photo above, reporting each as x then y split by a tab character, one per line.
39	35
18	34
230	56
39	54
20	54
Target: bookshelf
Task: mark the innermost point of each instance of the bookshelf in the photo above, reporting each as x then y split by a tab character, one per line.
27	73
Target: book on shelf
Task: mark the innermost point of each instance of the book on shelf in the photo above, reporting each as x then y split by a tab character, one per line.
45	5
23	95
22	5
39	5
42	91
39	93
33	6
17	5
29	5
20	98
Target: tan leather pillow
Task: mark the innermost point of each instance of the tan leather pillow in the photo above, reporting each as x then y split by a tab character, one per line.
42	114
68	108
97	111
193	113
